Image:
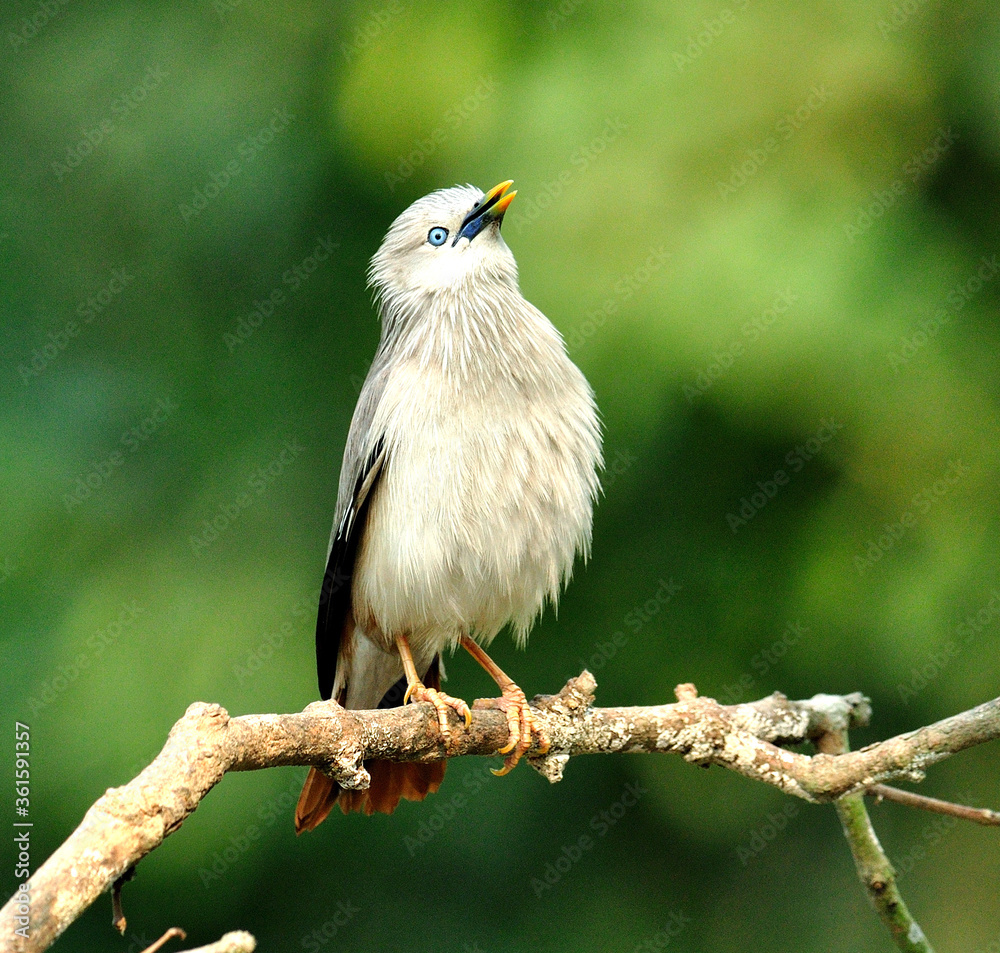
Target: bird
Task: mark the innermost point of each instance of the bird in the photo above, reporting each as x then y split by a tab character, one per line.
467	488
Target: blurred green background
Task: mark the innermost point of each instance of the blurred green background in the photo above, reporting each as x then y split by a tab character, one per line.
769	234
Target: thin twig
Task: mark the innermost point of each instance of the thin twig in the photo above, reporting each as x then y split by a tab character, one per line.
118	920
874	869
238	941
978	815
128	822
169	935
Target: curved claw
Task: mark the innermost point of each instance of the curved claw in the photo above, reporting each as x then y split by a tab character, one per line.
524	730
418	692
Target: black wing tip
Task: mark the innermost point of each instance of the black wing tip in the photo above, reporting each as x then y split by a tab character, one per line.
335	594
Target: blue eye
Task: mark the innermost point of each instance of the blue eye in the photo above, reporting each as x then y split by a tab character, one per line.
437	235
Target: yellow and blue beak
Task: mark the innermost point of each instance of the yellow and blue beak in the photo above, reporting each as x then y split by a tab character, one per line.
489	209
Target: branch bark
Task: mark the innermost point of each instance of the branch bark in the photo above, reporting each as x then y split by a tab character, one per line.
239	941
128	822
978	815
874	869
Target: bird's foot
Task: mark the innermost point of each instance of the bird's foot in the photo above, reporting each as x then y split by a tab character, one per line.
524	729
419	692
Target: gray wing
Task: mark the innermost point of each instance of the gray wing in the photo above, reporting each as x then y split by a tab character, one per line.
364	462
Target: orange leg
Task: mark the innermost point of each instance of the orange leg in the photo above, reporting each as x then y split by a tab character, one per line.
417	691
513	704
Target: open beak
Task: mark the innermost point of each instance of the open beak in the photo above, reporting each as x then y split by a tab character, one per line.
489	209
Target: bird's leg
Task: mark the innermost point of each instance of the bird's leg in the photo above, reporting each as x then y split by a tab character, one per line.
417	691
513	704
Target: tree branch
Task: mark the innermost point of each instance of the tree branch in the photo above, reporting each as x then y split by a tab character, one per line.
874	869
239	941
128	822
163	940
978	815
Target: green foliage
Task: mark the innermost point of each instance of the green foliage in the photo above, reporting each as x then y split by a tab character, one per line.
769	235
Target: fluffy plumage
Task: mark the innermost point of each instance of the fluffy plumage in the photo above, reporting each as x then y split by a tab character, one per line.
476	444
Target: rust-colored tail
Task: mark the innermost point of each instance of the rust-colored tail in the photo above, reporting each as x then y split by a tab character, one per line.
392	781
318	796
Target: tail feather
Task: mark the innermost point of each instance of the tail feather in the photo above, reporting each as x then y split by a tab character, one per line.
391	781
318	796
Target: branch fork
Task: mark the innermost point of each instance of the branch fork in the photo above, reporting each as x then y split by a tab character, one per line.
130	821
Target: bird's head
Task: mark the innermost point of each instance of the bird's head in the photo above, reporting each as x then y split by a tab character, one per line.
444	243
